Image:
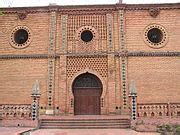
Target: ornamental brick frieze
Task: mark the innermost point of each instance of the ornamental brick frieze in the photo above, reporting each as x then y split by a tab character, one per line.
13	111
84	12
158	110
87	10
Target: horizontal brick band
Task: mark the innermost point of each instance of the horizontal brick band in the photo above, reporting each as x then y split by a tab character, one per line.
130	54
32	56
120	54
150	54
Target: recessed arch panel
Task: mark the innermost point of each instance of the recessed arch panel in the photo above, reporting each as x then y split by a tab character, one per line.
87	90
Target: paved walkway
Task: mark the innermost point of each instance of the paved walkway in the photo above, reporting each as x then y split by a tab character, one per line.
17	131
88	132
12	130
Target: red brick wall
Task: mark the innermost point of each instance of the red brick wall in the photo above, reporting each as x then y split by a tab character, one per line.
18	77
156	78
38	24
136	21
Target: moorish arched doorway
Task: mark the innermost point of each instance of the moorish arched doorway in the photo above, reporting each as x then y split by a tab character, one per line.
87	90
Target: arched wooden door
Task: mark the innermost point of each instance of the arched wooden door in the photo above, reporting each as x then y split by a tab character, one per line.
87	90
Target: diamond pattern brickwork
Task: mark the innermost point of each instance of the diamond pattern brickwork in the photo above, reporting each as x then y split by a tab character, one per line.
96	63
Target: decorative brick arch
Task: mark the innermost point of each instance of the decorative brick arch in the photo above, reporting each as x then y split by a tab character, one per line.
71	96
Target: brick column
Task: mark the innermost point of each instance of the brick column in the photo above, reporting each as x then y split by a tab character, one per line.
63	86
35	101
123	64
111	84
133	100
111	65
117	62
51	63
63	99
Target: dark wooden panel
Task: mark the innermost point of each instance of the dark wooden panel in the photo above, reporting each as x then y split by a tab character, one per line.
87	101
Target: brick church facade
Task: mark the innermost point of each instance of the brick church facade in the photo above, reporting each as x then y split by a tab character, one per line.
90	60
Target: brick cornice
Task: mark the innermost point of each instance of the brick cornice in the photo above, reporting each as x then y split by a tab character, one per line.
89	8
163	6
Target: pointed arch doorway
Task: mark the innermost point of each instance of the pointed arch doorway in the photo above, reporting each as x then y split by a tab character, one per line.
87	90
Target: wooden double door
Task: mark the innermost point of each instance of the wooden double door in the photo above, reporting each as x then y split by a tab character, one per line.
87	101
87	90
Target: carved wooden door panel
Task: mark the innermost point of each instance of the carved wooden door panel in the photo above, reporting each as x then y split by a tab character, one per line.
87	102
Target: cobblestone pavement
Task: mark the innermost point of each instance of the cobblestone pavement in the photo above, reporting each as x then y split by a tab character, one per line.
89	132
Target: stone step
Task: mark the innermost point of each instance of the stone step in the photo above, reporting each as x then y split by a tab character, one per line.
80	124
66	123
85	127
84	123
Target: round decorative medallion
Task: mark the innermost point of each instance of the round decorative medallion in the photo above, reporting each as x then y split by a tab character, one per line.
86	34
20	37
155	36
154	12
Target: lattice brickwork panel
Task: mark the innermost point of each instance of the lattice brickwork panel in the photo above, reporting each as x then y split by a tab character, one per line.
16	111
97	63
152	110
175	109
159	110
96	21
